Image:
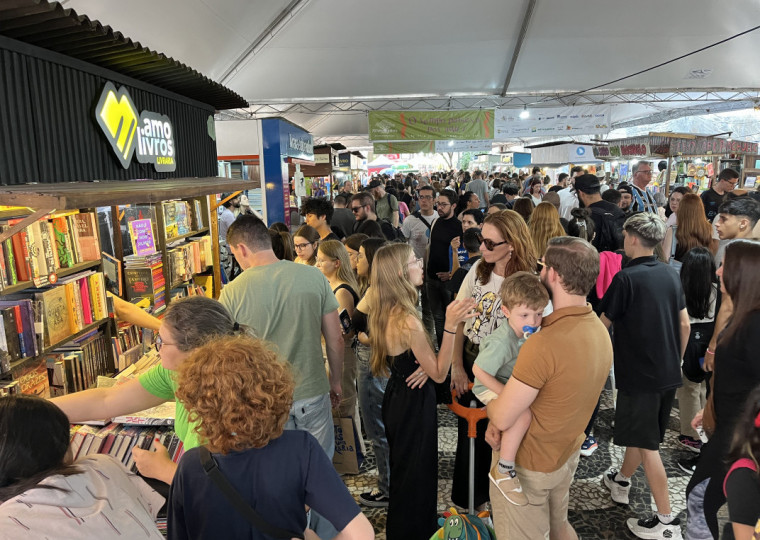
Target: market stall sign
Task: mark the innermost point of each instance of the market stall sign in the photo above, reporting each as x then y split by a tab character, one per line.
149	137
567	121
430	125
634	147
706	145
300	146
463	146
404	147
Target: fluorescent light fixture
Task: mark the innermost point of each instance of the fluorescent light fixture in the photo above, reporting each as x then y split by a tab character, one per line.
451	143
525	113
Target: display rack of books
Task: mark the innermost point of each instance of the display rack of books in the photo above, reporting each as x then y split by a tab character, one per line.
54	310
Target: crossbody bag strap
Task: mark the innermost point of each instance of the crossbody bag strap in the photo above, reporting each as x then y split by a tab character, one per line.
237	501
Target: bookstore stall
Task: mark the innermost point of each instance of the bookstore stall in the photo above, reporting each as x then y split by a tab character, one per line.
108	188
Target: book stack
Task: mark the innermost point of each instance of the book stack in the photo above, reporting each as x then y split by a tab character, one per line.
145	279
38	251
118	440
77	365
41	318
130	343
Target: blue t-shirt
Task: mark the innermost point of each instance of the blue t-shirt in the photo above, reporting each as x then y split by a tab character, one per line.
277	481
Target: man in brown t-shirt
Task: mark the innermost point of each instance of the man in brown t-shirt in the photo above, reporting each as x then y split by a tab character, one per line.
559	374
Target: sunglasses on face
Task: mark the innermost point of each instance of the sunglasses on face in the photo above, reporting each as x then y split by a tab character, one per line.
355	209
490	244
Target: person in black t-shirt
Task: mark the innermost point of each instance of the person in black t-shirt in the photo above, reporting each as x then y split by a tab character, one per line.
646	308
720	191
608	218
318	214
445	229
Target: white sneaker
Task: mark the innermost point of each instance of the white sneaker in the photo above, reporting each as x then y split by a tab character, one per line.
618	490
653	528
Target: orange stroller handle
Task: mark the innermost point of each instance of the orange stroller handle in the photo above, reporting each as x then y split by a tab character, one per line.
473	416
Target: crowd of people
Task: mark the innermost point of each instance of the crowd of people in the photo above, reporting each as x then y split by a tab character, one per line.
517	293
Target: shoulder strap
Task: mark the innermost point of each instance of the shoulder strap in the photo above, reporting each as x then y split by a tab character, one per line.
673	244
237	501
418	215
743	463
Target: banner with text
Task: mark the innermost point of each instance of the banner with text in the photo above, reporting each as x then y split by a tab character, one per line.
580	120
404	147
463	146
431	125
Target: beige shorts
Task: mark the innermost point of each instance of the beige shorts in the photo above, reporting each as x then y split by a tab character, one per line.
486	395
548	497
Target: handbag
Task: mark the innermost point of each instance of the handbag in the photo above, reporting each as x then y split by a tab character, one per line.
236	500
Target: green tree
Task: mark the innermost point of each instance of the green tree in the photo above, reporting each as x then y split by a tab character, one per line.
464	160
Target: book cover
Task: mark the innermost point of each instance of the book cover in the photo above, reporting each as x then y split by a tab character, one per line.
74	236
139	283
198	215
21	255
10	261
170	220
36	255
87	237
48	245
57	315
25	352
75	320
33	379
63	242
84	292
24	321
69	375
11	335
97	294
3	272
183	217
113	274
141	234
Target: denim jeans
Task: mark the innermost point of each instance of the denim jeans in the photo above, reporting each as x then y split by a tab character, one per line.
371	393
315	416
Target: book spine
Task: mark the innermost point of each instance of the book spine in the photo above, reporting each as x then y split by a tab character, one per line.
21	254
84	291
74	238
63	242
48	246
10	262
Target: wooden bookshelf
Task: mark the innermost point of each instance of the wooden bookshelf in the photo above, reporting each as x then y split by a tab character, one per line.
187	235
61	272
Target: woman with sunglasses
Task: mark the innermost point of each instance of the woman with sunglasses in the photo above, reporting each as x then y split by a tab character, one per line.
187	324
305	241
506	247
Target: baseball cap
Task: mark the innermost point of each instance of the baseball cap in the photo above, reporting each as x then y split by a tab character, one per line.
587	183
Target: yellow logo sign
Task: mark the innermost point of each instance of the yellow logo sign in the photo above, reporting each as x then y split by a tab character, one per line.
150	136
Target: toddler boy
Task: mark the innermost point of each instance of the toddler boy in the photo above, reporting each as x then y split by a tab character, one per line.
523	300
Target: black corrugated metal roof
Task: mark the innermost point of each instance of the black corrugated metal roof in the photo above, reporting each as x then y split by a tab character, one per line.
50	26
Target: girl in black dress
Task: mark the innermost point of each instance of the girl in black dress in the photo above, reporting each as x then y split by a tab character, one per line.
401	347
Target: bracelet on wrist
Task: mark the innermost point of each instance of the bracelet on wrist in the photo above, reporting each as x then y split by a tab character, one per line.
449	332
708	351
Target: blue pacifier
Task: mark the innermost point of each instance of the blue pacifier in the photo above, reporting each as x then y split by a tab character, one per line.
529	330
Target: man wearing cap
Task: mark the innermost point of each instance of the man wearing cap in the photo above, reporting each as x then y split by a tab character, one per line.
608	218
643	201
386	205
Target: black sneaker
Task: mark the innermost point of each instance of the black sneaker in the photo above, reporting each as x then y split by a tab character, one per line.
688	465
374	499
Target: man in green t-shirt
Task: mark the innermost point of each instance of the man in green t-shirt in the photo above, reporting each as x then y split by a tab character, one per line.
386	205
292	306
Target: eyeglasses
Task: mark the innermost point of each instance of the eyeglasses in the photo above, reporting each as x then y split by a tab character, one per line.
426	197
301	246
644	172
490	244
730	182
417	261
355	209
443	204
323	261
541	264
160	343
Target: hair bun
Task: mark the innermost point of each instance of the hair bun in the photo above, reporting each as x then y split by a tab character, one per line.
581	213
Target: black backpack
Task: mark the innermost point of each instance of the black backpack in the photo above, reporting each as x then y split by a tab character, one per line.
391	233
609	236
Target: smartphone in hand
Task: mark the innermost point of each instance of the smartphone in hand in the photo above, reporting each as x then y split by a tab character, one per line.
345	321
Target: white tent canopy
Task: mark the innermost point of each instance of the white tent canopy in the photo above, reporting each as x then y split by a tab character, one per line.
323	63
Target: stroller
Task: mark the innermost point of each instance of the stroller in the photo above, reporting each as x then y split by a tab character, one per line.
469	526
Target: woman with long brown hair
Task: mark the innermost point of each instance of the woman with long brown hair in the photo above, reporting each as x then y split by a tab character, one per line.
693	230
544	225
401	348
736	373
506	248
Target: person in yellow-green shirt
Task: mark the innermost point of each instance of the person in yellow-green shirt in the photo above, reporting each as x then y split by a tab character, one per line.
188	324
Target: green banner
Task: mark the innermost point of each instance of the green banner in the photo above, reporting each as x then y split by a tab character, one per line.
404	147
430	125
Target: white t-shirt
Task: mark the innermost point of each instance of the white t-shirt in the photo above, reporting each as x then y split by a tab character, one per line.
568	199
104	501
417	233
488	301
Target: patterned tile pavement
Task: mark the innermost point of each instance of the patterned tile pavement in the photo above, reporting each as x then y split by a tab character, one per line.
592	512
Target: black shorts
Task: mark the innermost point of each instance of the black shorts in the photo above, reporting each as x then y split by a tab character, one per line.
642	418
